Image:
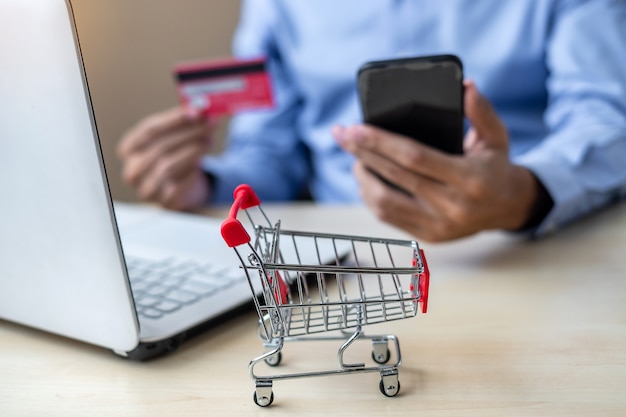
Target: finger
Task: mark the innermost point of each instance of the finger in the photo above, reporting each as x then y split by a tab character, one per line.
132	170
154	126
438	196
385	201
403	151
470	140
180	163
188	192
487	126
170	169
410	217
192	135
431	215
141	162
410	181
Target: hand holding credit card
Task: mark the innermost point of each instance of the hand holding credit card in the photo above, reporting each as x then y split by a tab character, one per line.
223	87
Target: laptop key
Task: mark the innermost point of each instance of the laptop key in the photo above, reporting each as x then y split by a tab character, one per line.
199	287
167	306
210	279
151	313
182	296
148	301
172	280
158	290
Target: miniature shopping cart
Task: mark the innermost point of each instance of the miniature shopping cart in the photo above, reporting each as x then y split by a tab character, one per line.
305	284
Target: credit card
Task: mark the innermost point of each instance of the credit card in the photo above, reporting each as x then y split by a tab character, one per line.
226	86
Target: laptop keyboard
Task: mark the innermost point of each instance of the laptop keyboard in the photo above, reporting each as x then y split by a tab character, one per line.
167	285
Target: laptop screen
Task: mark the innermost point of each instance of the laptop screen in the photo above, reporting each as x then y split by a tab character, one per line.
59	248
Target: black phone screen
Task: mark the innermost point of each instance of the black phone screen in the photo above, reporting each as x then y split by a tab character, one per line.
420	97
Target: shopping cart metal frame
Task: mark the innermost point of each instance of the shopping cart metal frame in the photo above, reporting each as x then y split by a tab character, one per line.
294	303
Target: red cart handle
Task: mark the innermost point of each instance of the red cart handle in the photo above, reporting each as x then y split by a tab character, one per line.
233	232
424	283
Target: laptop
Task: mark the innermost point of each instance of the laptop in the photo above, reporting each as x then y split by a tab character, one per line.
72	261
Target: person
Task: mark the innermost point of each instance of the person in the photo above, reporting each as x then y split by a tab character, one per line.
545	102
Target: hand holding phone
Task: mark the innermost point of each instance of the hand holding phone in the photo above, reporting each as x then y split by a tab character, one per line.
420	97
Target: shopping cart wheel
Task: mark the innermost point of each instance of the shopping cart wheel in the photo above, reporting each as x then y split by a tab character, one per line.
389	385
263	396
264	401
275	359
381	357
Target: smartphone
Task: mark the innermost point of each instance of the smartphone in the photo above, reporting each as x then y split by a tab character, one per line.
419	97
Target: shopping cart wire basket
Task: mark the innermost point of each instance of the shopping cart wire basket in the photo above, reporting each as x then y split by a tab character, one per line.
322	286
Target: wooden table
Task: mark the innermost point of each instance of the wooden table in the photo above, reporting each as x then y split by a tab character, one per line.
514	328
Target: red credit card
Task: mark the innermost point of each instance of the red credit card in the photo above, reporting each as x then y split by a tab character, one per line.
223	87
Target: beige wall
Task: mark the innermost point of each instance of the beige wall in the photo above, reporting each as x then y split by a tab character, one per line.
130	47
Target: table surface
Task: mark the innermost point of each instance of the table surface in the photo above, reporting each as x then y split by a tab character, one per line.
514	328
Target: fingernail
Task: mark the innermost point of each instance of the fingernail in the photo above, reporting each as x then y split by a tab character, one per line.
339	132
355	133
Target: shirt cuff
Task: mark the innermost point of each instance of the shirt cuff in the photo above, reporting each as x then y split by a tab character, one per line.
567	195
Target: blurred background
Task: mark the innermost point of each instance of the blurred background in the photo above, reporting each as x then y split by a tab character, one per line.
130	47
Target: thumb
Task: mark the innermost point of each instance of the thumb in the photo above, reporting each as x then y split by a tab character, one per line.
487	130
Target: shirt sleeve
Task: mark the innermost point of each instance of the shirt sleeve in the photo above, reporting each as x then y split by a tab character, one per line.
263	147
582	161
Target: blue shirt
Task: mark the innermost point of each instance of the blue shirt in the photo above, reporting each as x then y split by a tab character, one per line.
555	72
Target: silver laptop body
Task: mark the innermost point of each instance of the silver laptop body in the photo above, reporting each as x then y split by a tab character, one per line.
63	266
